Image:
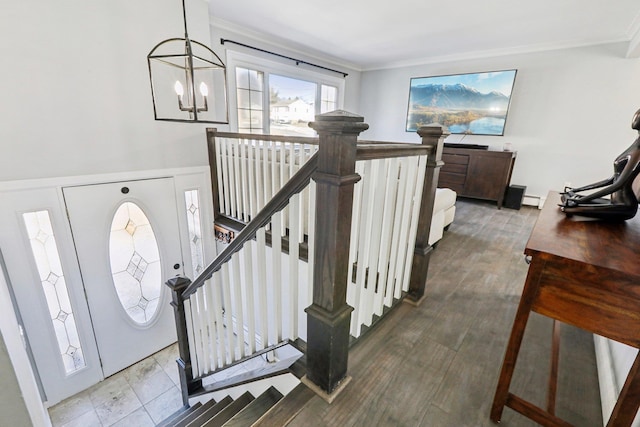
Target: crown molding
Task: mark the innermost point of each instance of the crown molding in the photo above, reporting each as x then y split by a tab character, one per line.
634	36
492	53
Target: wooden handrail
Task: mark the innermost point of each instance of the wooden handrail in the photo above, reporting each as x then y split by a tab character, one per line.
262	137
296	184
373	151
367	150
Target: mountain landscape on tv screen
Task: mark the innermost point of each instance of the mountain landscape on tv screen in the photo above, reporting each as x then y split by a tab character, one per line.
461	108
458	96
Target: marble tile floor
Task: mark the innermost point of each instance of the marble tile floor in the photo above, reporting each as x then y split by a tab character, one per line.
139	396
142	395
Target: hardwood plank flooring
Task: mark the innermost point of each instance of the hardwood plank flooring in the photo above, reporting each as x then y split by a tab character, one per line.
437	365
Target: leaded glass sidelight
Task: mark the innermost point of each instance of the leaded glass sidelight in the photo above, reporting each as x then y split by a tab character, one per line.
49	266
195	231
135	263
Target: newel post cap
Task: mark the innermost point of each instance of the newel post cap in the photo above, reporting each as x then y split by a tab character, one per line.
433	130
339	121
178	283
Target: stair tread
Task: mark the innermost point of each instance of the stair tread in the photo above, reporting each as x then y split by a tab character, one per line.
210	412
287	408
184	421
256	409
229	411
178	415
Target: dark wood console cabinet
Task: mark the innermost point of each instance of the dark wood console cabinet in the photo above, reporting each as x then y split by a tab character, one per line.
477	173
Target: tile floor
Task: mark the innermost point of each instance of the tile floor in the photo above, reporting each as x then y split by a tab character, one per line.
142	395
139	396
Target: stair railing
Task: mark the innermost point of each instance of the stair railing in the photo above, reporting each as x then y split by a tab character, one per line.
228	303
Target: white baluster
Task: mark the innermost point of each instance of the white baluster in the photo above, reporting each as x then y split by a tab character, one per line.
261	261
378	176
415	214
237	303
411	167
276	263
247	282
226	183
391	189
218	307
211	325
294	262
237	179
353	290
221	191
200	337
397	223
245	163
195	369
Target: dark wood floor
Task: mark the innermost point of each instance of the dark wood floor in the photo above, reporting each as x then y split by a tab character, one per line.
437	365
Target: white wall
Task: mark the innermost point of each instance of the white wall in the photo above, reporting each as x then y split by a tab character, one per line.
76	97
570	112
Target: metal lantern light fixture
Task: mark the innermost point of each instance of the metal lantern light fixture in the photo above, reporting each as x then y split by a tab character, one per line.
188	81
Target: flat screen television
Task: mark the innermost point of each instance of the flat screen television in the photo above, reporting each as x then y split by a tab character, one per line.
472	103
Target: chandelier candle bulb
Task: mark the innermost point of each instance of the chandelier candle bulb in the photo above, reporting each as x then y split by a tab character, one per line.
179	89
204	90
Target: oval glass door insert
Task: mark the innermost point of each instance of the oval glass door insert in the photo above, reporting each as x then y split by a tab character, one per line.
135	263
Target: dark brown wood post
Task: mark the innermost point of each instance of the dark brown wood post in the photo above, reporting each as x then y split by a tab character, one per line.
213	167
177	285
433	136
329	316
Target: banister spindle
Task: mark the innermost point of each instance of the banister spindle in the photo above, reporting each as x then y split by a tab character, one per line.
433	137
329	314
177	285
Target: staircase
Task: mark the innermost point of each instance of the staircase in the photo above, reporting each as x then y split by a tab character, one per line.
314	262
244	411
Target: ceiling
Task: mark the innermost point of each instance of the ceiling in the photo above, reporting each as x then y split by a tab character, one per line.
366	34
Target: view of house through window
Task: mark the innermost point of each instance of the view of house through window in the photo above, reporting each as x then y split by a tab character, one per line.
291	106
286	109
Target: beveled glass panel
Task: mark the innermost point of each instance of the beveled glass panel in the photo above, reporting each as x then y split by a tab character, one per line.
49	266
135	262
195	230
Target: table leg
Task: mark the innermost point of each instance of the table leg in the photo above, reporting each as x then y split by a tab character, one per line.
515	339
629	400
553	374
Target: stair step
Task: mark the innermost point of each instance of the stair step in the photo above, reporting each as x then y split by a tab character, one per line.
184	421
287	408
178	415
229	411
256	409
210	413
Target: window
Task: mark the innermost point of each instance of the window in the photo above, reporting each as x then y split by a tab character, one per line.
291	105
328	99
250	90
280	99
45	254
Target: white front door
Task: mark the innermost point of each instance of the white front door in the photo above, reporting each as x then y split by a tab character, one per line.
127	241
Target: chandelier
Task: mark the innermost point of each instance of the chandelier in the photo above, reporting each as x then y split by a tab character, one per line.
188	81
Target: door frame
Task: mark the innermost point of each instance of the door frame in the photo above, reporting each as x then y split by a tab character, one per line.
185	179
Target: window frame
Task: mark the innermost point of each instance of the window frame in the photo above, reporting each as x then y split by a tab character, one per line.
267	67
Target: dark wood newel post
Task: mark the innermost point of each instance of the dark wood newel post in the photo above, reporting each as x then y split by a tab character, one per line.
177	285
433	137
329	316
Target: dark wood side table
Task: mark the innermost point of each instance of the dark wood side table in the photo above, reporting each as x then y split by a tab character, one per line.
586	274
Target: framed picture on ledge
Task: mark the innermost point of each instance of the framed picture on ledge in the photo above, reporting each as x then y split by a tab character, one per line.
472	103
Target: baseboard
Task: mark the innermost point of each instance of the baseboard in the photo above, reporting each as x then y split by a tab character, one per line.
535	201
609	389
